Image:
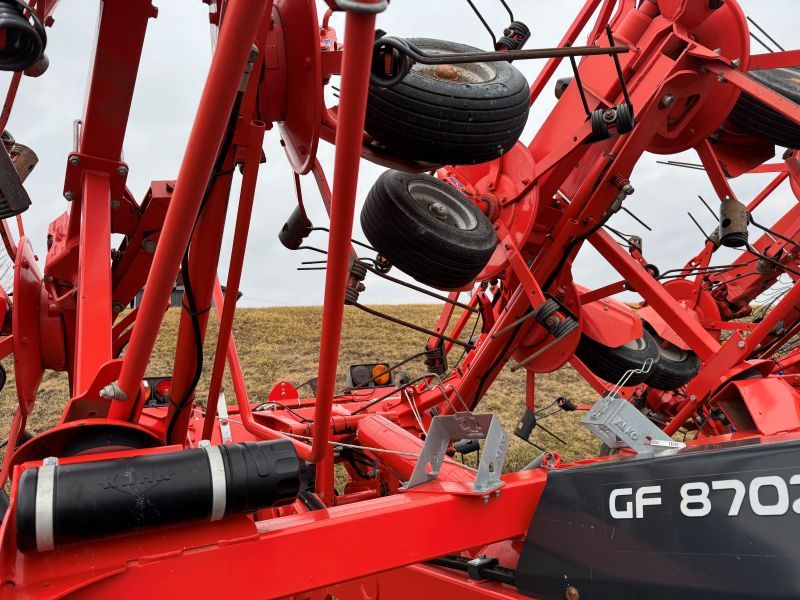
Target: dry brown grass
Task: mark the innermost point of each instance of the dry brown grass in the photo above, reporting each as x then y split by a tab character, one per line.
283	343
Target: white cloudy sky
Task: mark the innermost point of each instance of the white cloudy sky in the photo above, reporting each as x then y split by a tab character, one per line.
176	57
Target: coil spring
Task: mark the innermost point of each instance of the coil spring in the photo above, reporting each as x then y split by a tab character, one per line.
25	36
436	360
354	282
514	36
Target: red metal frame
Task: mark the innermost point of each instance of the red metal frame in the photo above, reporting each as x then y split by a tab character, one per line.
556	194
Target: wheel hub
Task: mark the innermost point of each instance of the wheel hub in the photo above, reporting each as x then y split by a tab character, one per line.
439	210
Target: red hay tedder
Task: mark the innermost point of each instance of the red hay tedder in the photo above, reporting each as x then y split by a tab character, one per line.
145	489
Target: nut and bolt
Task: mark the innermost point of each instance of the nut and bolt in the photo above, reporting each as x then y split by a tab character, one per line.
74	160
736	62
69	196
149	245
114	204
122	170
740	344
113	392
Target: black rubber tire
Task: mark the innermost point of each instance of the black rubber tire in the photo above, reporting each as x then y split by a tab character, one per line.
4	502
428	119
755	117
674	369
440	253
610	364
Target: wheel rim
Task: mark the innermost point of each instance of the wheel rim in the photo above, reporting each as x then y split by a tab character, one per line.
442	206
478	72
673	353
637	344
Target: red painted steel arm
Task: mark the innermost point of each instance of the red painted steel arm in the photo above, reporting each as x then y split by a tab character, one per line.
11	94
233	49
93	340
254	139
714	170
117	52
774	60
569	38
771	186
763	94
359	36
654	293
240	389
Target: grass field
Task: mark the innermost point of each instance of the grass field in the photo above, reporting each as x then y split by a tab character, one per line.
283	344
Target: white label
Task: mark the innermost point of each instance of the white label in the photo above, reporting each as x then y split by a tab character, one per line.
767	496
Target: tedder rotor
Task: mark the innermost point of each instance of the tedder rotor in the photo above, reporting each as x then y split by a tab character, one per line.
144	487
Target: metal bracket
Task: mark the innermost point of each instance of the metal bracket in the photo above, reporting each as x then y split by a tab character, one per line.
359	6
460	426
619	424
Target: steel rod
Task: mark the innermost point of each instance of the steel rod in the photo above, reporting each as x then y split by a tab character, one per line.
356	63
255	136
236	37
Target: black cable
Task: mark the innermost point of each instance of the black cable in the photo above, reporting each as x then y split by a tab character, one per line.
25	37
283	407
192	310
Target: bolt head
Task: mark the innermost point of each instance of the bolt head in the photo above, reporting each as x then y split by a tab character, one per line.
667	100
68	196
74	160
122	170
439	210
114	204
741	344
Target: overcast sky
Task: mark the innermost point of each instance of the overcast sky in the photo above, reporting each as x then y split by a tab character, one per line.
175	61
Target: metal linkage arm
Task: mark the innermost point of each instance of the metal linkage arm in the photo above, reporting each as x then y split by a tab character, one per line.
233	49
356	62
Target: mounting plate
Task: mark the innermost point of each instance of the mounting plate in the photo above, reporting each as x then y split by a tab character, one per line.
445	429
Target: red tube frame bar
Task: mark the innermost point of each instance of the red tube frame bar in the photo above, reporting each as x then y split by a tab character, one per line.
255	136
237	33
356	62
240	389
